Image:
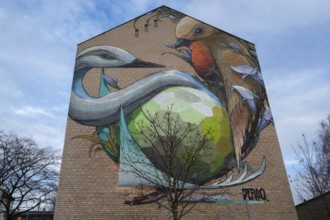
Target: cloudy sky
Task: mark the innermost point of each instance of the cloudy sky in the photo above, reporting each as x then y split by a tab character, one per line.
38	44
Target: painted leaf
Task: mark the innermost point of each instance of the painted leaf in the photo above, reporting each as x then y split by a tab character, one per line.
235	47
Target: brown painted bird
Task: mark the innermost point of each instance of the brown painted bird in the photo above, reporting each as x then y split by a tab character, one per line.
228	66
202	60
204	64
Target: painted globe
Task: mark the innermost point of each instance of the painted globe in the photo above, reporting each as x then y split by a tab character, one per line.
191	109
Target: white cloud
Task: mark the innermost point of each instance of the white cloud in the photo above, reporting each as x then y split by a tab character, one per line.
45	134
291	162
45	124
8	87
29	111
259	16
298	99
38	44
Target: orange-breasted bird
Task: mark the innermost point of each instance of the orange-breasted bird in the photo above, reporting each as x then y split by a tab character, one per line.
204	64
202	60
210	49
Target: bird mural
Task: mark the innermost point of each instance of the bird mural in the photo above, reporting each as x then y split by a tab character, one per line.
221	60
120	108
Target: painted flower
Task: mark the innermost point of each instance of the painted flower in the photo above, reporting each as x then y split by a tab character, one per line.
112	81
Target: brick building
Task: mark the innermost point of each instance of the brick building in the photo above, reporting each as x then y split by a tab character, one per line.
36	215
209	78
315	208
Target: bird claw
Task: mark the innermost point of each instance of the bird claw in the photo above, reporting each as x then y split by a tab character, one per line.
243	178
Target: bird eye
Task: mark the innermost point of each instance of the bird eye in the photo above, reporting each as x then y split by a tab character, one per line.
107	56
199	30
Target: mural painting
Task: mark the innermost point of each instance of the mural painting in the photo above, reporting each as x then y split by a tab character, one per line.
224	104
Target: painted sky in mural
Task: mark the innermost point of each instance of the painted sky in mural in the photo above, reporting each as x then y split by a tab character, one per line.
225	93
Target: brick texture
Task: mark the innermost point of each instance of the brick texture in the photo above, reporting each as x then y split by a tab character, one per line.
88	185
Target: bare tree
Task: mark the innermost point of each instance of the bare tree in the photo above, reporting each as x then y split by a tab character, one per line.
324	150
171	153
28	174
313	172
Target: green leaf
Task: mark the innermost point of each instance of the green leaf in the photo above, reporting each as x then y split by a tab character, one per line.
87	137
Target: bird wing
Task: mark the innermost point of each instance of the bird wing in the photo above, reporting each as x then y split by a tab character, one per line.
241	115
239	68
239	119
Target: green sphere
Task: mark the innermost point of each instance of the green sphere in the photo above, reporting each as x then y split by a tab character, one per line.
191	109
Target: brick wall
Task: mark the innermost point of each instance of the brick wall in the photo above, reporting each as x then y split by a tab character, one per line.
88	185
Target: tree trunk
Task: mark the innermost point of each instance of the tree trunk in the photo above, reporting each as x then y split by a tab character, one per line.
175	212
7	212
7	217
326	207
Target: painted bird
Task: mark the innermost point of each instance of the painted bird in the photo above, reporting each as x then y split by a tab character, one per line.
202	60
205	66
212	52
89	110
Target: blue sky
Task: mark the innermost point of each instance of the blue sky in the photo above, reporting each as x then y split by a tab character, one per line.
38	45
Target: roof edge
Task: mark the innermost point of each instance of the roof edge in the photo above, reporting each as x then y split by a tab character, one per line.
123	24
162	6
312	199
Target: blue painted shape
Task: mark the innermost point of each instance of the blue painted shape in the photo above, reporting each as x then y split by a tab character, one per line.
77	86
135	168
228	202
104	90
102	131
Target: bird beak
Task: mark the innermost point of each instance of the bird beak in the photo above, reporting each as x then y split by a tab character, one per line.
142	64
182	42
